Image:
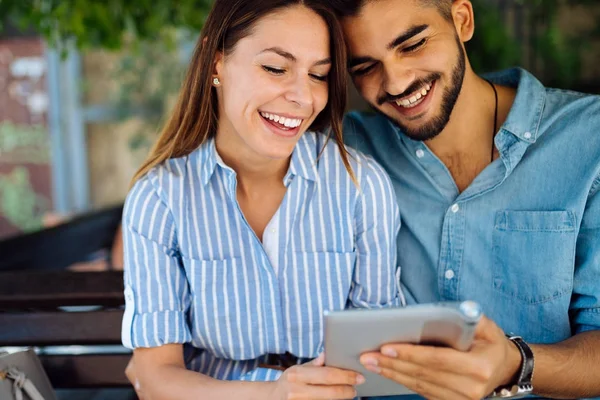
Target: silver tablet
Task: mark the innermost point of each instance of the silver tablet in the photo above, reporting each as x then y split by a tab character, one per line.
350	333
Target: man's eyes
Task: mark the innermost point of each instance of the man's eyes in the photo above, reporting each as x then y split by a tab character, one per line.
415	47
362	71
367	68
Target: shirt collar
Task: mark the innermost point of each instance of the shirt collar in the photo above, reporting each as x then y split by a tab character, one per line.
304	158
303	162
525	115
209	159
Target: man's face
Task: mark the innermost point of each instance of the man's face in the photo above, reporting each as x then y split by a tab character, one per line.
408	62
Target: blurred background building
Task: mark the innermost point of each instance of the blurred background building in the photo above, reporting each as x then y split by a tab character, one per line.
85	87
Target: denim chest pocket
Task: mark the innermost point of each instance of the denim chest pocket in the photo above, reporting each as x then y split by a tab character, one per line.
534	253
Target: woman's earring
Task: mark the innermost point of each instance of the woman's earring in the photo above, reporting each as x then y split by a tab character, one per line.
216	82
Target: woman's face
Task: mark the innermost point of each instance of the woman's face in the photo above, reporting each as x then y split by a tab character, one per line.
274	83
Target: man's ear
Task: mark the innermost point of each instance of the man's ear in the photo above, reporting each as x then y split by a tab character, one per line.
464	19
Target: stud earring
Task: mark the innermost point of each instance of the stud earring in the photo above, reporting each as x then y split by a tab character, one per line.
216	82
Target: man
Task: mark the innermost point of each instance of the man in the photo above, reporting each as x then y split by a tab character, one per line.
498	183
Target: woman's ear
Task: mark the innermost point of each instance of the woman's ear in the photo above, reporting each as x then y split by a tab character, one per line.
218	68
217	64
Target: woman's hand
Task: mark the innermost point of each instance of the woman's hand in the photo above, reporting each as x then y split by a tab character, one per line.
314	381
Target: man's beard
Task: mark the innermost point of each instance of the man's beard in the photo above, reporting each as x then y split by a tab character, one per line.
434	127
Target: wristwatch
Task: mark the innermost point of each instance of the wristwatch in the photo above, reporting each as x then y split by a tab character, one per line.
523	386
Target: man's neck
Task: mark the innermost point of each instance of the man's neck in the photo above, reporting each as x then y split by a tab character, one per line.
471	120
466	143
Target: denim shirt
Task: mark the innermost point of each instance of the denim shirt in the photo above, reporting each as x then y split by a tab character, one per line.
524	238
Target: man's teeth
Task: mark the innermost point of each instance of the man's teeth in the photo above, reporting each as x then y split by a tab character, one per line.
287	122
415	99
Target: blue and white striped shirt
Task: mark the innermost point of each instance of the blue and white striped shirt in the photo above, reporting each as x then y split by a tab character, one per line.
195	272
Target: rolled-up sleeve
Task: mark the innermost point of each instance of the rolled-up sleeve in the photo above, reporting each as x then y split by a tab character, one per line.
157	298
585	303
375	282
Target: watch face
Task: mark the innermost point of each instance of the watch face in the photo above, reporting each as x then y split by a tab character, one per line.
513	392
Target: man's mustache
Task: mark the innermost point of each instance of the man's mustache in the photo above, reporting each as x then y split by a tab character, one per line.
418	84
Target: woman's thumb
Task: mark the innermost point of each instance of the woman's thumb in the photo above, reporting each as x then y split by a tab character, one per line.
319	361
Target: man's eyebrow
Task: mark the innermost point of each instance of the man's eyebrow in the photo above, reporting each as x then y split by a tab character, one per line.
287	55
413	31
353	62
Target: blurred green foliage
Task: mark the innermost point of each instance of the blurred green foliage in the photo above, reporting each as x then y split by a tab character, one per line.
106	23
103	23
554	55
19	203
149	78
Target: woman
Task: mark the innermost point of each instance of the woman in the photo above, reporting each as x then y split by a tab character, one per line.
241	229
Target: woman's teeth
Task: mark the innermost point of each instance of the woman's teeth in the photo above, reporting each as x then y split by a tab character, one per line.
287	122
415	99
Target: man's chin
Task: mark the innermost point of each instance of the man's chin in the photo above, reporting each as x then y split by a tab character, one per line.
420	132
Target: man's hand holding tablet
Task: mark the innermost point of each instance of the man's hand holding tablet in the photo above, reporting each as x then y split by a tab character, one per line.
352	333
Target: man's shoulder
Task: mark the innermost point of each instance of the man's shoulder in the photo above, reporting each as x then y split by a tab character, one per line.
570	101
367	131
575	115
361	121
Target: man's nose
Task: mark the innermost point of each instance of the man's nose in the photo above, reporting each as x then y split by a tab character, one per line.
397	78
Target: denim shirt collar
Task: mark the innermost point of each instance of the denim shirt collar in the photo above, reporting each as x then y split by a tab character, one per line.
525	115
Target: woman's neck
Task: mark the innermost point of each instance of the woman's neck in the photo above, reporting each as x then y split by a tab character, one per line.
252	170
260	189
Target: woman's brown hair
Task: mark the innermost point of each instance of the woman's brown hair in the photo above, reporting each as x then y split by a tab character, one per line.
194	119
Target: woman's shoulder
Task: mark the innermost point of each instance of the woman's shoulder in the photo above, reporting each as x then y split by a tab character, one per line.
163	175
162	183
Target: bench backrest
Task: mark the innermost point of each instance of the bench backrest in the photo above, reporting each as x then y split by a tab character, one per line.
44	305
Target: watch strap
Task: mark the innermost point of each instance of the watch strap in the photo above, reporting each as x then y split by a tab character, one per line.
523	386
527	364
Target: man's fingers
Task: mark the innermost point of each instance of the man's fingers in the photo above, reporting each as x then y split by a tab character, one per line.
430	382
444	359
421	386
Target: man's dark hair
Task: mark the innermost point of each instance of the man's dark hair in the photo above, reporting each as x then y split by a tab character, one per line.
351	8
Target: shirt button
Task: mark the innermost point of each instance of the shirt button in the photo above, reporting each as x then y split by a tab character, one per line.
449	274
420	153
527	135
272	230
455	208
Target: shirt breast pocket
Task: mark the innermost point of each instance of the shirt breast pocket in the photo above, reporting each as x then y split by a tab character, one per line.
534	253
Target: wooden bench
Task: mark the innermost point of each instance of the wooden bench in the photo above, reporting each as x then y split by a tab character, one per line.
44	305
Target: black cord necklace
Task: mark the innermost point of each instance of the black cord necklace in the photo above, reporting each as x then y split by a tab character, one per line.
495	118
